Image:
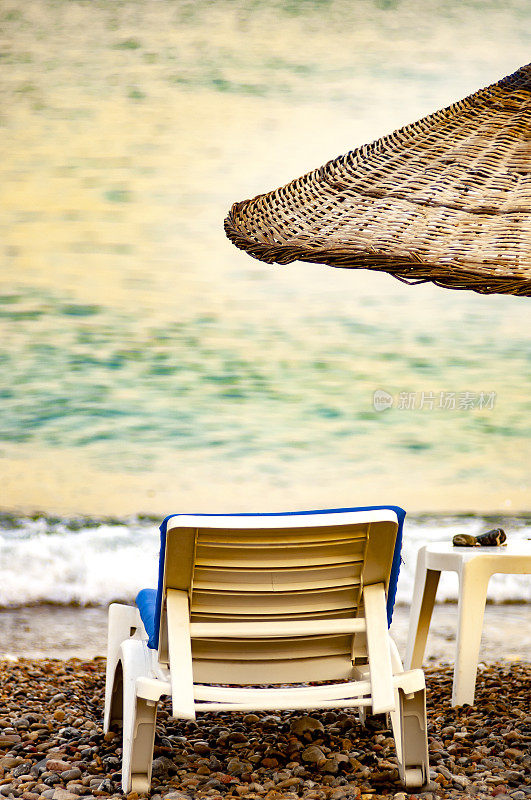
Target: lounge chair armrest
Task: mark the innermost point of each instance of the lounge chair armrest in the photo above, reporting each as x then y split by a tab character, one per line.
152	689
180	654
380	667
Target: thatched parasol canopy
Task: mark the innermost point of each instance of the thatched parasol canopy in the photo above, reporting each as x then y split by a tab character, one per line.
446	199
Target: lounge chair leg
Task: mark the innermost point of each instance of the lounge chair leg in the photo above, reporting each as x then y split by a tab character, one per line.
123	623
411	741
139	717
139	740
114	706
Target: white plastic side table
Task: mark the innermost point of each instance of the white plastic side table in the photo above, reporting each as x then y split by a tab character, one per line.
474	566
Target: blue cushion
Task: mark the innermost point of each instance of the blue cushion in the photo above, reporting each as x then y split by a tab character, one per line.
149	601
146	601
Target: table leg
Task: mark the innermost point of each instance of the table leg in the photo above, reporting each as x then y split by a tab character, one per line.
473	582
425	589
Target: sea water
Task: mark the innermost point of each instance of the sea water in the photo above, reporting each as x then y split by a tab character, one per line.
147	366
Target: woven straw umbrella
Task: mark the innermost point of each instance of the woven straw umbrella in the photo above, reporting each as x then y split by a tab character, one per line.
446	199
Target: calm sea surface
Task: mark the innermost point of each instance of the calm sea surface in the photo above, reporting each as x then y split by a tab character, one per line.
146	365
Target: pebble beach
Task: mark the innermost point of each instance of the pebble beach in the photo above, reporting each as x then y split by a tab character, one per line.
52	746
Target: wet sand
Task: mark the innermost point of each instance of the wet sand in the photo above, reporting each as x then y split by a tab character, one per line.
59	632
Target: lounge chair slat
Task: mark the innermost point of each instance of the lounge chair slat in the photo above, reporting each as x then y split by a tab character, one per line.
279	705
268	671
235	630
275	649
273	601
321	554
313	693
280	617
260	579
281	538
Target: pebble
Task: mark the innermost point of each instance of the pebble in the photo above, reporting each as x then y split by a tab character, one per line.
163	764
235	767
313	754
22	769
63	794
71	774
302	725
52	746
55	765
334	761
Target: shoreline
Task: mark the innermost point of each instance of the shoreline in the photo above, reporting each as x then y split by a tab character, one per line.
63	632
116	495
12	519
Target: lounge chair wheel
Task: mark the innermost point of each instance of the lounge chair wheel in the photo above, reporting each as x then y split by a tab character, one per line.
414	778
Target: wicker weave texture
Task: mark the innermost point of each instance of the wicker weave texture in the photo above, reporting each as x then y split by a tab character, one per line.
446	199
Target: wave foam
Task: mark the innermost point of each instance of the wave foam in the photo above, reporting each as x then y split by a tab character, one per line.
46	562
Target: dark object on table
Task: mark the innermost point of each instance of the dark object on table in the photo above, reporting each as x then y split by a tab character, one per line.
464	540
490	539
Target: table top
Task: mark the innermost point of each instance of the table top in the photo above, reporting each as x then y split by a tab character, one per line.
511	548
515	556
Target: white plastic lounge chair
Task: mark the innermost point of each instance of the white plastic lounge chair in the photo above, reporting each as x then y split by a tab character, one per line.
266	599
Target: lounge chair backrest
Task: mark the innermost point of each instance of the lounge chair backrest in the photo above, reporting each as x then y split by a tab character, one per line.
276	568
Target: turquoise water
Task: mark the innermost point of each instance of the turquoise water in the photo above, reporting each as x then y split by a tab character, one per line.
82	376
140	351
